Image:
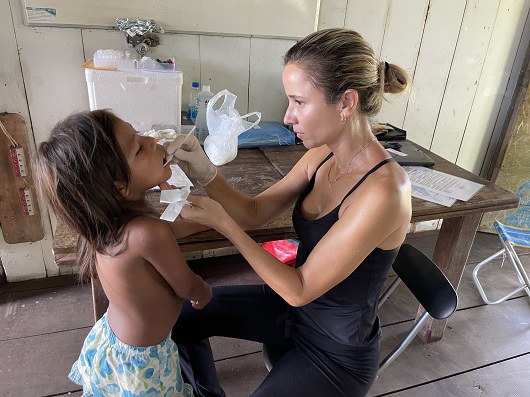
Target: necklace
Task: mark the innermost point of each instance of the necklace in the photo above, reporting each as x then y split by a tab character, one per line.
331	182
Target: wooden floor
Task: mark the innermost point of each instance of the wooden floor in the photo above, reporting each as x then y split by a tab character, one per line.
485	350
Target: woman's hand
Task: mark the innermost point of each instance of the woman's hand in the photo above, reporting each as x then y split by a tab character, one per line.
205	211
166	186
199	304
191	158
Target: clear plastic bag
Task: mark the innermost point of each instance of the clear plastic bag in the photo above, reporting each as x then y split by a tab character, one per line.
224	126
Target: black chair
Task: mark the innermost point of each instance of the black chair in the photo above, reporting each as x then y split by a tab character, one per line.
426	282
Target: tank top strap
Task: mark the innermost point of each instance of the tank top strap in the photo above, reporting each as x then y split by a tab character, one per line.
320	165
375	168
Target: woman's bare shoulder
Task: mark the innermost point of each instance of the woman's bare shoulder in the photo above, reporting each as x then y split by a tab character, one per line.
388	187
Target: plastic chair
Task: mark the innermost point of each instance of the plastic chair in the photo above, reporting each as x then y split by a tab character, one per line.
426	282
510	237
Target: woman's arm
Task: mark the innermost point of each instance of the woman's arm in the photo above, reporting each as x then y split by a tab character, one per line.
183	229
248	212
377	213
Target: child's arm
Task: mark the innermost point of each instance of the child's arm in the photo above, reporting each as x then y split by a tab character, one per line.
154	241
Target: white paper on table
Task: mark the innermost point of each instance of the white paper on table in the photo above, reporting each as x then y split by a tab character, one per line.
442	183
436	198
177	197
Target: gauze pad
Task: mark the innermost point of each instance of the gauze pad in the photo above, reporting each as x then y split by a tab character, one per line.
176	198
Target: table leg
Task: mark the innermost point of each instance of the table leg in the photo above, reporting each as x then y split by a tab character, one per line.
99	299
450	254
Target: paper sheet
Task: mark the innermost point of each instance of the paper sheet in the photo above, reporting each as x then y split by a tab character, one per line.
425	194
442	183
176	198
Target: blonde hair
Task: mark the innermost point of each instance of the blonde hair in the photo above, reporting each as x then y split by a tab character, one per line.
336	60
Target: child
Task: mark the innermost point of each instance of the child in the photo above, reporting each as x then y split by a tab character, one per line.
93	173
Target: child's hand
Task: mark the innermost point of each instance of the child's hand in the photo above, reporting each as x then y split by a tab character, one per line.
199	304
205	211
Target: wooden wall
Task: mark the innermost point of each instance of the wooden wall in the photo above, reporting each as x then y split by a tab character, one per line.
460	54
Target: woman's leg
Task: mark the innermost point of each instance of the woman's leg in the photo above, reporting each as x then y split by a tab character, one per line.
252	312
296	375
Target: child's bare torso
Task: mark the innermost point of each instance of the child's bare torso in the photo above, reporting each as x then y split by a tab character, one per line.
142	306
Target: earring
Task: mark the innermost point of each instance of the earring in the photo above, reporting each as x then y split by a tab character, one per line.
343	119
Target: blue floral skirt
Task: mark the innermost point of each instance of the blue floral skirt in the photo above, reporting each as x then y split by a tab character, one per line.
109	367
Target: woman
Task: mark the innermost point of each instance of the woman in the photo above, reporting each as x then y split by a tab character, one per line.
352	211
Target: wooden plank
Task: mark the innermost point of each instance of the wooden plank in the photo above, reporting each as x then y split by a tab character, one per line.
507	378
497	281
477	336
36	284
22	261
51	60
450	254
230	17
368	18
225	64
401	45
466	67
47	59
434	59
240	376
12	92
283	158
17	226
493	81
39	365
226	348
265	89
332	14
66	307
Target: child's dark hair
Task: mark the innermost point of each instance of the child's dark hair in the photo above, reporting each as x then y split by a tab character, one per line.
76	170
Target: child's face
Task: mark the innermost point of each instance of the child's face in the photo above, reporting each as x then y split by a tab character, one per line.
144	157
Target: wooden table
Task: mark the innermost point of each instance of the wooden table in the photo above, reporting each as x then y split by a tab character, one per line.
254	170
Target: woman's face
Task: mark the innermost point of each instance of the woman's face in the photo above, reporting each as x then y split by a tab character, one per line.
314	121
144	157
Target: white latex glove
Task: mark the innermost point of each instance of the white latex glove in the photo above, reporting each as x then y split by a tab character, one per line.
189	155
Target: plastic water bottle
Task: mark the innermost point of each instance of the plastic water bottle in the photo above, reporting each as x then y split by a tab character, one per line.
203	98
192	105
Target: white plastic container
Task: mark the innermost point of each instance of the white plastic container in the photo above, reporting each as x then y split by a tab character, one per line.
203	98
145	98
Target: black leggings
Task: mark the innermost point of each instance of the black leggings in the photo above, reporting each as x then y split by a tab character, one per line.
255	312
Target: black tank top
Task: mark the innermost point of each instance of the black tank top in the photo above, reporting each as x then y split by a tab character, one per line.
347	313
